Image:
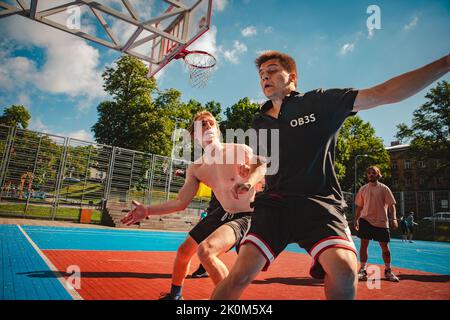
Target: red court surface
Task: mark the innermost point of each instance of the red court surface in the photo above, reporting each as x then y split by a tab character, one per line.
111	275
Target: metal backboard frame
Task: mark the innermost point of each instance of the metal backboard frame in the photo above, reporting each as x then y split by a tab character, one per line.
156	38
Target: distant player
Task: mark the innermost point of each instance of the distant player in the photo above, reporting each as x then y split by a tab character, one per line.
374	201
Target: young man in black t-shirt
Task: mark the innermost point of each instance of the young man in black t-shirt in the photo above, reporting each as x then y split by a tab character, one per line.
303	201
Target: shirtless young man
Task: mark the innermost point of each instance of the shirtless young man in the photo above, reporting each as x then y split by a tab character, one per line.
221	167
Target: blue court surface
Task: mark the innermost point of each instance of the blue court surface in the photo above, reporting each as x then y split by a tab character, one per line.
19	257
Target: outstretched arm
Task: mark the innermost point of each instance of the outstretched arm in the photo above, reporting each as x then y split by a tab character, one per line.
403	86
184	197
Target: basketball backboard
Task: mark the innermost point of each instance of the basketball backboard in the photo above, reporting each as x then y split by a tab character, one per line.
155	31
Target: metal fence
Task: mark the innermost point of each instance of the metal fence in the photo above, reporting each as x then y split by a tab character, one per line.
48	176
423	203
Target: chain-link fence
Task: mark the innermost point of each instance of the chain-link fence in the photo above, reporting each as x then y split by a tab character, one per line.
52	177
48	176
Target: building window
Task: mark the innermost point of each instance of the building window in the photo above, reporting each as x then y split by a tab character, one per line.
421	181
395	182
408	181
422	164
438	163
408	164
394	165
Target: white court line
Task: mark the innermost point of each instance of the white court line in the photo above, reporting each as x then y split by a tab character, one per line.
110	234
73	293
119	233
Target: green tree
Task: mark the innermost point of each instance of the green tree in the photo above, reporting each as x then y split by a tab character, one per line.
240	115
132	120
357	137
429	133
141	117
215	108
15	115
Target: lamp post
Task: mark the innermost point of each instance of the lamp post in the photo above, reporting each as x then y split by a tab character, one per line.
171	154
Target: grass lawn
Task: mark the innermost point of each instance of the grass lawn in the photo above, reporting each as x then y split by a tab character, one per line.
34	211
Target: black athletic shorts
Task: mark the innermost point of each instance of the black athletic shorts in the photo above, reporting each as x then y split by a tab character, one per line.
238	222
314	223
369	232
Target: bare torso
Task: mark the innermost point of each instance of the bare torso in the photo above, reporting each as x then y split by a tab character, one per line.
223	173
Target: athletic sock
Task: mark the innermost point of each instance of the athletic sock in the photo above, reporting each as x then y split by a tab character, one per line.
387	266
363	265
176	291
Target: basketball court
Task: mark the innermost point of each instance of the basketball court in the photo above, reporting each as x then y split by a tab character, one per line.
40	263
48	262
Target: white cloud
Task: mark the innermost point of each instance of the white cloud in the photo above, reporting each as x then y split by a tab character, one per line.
412	24
268	29
346	48
234	54
16	72
71	66
220	5
24	99
38	125
249	31
81	135
370	33
207	42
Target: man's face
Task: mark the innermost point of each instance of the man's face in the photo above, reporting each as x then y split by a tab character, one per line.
372	175
209	130
274	80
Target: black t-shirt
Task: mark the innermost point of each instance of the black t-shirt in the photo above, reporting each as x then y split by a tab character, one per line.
308	125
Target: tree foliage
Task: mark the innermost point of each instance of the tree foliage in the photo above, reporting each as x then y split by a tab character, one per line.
15	116
429	133
357	137
240	115
142	117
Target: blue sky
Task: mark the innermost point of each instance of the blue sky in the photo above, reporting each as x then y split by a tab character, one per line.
58	77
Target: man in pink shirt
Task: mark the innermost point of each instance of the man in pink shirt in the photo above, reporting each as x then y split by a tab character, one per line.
373	203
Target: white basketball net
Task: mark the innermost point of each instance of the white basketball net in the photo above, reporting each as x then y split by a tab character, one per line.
200	66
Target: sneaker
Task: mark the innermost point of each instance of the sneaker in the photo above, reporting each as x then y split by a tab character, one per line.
200	273
390	276
168	296
362	275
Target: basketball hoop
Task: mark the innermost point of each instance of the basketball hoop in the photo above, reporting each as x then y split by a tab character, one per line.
200	65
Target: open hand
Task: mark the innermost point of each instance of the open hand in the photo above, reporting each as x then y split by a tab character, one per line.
135	215
394	224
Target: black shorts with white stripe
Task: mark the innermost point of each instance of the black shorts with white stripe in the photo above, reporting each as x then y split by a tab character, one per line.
314	223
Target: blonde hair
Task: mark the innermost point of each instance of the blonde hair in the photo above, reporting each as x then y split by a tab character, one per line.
198	115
